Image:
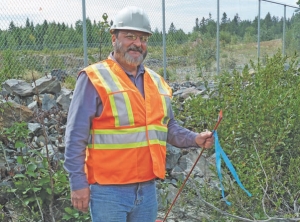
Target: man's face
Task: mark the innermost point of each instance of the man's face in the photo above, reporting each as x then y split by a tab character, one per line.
131	46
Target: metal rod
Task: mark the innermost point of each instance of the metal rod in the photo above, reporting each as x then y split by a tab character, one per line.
164	39
218	36
278	3
84	33
283	37
258	31
284	21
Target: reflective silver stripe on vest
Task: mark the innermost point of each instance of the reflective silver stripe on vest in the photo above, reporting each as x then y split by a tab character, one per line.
165	95
120	114
117	96
167	110
161	136
156	79
127	138
108	80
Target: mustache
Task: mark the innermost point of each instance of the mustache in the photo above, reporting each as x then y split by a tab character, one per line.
135	48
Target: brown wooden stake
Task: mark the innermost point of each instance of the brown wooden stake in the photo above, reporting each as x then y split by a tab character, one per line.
184	182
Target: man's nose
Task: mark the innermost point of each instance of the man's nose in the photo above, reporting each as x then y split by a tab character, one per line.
138	41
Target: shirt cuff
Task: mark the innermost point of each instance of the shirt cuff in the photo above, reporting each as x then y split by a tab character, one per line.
78	182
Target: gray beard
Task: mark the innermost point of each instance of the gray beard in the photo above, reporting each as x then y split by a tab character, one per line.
126	56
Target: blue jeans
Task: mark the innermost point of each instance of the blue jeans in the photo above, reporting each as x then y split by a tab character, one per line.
124	203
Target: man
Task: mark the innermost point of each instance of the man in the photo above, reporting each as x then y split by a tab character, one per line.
119	121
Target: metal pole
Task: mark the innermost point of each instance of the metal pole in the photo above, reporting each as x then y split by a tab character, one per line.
258	30
164	39
284	24
278	3
218	36
283	38
84	33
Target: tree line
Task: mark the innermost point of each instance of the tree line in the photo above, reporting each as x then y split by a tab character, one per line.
53	35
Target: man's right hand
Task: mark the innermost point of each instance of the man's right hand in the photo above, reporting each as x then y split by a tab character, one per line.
80	199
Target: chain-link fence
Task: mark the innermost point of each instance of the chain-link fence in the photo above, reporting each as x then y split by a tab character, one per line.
43	36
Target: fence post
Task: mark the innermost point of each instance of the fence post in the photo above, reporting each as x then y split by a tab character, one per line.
258	30
218	36
283	38
284	20
164	39
84	33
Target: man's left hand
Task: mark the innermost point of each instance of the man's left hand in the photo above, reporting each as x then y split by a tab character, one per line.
205	139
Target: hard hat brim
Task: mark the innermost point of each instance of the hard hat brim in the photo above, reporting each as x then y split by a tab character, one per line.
129	28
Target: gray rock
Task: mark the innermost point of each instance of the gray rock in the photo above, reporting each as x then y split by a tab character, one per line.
34	127
47	84
173	155
18	87
12	112
64	101
48	102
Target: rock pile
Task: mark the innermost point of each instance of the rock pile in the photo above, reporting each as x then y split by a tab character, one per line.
44	104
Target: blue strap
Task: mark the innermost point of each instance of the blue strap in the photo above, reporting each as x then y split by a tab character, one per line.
220	153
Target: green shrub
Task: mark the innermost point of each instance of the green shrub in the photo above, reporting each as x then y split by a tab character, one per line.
260	133
40	185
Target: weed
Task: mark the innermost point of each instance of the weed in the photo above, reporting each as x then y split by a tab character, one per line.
70	82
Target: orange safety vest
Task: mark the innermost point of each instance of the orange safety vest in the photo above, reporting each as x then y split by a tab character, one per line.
127	142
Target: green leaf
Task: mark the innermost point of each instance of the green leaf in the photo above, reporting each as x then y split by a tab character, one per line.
25	191
19	175
67	217
44	180
20	160
31	167
49	191
19	144
35	189
30	173
29	200
69	210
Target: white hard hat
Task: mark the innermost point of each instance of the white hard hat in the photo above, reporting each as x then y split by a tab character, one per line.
131	18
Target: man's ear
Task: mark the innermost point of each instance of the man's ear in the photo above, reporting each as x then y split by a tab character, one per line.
113	39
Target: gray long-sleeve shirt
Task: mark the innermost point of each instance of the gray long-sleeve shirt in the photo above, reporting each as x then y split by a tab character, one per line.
86	104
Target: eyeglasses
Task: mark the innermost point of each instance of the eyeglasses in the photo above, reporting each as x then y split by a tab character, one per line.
133	37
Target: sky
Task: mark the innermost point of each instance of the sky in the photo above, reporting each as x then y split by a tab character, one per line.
182	13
